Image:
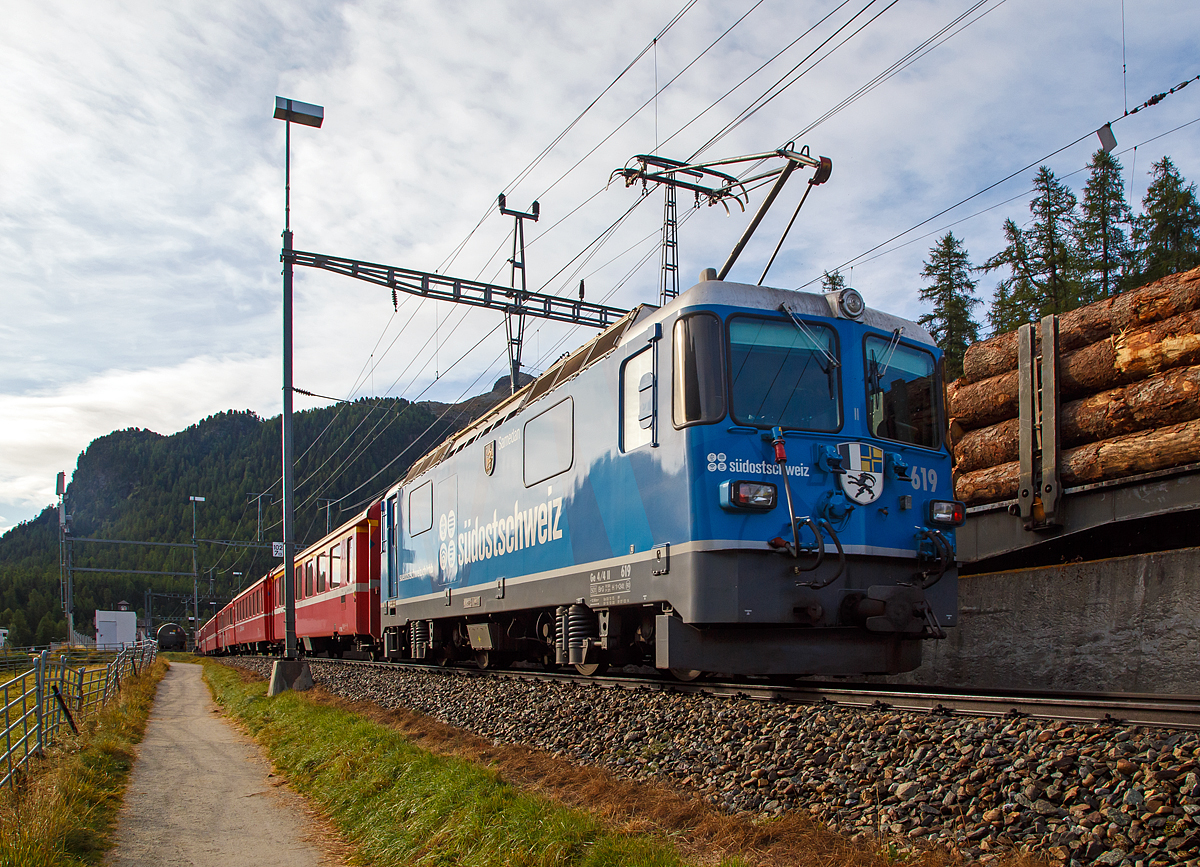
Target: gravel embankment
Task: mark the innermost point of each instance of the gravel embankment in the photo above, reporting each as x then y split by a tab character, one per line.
1080	794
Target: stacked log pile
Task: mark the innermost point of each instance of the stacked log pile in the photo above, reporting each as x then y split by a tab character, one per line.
1129	380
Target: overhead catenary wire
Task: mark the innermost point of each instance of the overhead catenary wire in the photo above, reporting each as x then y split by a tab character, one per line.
608	233
862	256
525	172
778	87
1011	199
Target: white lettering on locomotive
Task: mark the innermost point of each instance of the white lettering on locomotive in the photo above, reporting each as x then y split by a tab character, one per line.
763	468
523	528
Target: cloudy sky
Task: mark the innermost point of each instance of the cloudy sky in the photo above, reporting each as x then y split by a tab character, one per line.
141	174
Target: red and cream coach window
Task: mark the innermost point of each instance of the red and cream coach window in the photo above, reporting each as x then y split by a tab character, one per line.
335	565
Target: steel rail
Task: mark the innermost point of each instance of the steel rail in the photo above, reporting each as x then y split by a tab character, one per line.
1167	711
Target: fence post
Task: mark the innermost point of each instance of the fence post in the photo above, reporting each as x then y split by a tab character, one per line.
39	697
107	678
79	700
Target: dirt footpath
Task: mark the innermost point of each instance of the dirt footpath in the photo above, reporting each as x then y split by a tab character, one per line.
200	794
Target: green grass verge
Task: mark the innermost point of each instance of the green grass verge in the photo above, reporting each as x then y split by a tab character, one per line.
64	811
397	804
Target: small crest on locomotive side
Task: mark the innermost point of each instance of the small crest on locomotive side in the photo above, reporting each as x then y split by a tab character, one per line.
863	480
489	457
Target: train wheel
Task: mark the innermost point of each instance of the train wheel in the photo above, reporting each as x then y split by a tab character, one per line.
687	675
484	659
591	669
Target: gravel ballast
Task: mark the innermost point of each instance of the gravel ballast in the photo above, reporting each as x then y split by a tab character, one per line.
1077	793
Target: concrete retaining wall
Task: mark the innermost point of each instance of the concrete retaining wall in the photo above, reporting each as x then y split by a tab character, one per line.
1129	624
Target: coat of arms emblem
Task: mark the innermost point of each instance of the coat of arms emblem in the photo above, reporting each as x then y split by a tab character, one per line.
863	480
489	457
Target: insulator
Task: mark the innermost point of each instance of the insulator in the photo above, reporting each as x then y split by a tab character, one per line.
581	630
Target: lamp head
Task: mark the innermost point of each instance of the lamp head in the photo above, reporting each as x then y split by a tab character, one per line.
299	112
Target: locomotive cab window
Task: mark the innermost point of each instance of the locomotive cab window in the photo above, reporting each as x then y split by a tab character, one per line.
901	403
784	375
637	401
698	389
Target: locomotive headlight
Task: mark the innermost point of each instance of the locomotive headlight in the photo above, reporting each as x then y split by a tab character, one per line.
756	496
852	303
951	512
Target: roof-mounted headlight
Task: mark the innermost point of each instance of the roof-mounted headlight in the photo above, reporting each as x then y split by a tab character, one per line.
846	303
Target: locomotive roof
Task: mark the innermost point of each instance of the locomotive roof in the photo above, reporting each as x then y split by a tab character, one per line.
706	293
729	294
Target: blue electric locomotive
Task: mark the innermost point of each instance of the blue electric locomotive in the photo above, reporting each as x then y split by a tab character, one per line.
745	481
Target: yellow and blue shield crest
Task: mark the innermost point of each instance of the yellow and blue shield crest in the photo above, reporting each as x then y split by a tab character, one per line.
863	480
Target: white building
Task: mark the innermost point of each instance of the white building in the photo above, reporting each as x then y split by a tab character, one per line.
115	628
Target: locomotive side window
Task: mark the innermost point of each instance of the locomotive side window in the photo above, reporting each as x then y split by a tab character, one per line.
698	393
784	375
348	562
420	509
549	443
335	565
308	579
637	401
322	571
901	400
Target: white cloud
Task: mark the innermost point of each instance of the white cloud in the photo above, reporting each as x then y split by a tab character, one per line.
43	433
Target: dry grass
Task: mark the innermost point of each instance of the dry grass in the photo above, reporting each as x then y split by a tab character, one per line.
64	810
699	830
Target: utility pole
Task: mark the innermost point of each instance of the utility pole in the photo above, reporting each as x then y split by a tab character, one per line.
516	330
270	498
669	286
289	110
65	578
328	507
195	577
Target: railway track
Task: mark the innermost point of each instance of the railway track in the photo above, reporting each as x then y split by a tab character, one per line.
1168	711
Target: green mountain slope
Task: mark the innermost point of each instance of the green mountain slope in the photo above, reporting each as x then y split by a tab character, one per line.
135	485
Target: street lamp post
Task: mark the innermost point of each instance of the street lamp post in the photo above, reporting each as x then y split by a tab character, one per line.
289	110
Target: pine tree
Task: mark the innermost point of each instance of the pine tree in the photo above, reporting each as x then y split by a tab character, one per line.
1054	219
1101	244
1043	268
1016	300
832	282
1167	234
952	293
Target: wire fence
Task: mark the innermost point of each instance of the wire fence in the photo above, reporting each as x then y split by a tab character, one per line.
41	694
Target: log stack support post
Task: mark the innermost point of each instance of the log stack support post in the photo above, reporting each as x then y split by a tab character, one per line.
1039	492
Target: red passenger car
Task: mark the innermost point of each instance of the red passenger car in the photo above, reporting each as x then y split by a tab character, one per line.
206	638
337	591
337	600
